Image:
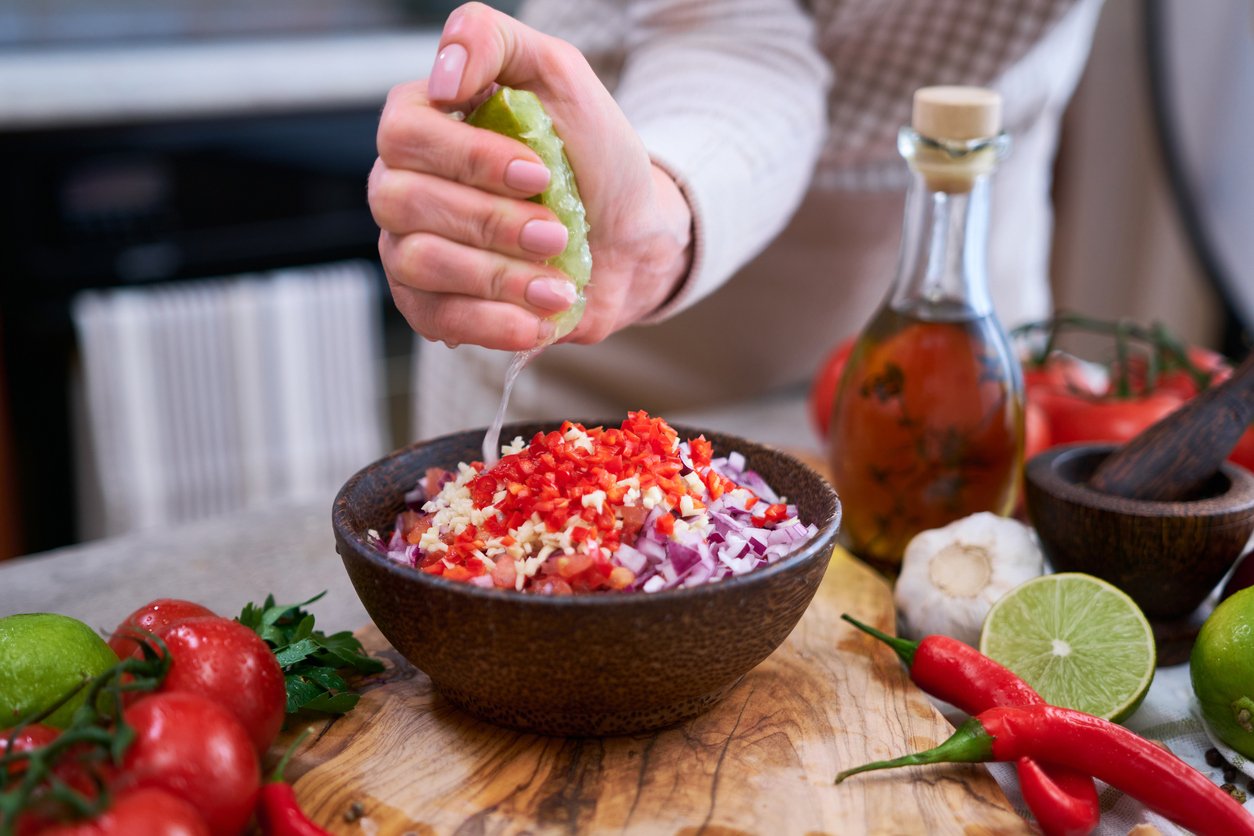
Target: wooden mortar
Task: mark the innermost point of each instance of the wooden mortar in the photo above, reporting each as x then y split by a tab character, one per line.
1168	556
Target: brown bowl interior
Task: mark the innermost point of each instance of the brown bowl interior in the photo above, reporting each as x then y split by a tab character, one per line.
1168	556
581	664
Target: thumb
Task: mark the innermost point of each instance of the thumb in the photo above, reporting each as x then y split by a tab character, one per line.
481	46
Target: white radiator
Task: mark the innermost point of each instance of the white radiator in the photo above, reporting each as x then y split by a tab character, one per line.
211	396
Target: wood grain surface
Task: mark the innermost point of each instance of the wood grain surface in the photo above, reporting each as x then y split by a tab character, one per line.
762	761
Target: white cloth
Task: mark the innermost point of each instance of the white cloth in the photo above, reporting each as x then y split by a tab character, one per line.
730	97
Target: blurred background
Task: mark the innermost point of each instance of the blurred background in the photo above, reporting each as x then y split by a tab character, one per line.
192	316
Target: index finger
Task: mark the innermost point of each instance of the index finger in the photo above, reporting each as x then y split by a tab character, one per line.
481	46
413	135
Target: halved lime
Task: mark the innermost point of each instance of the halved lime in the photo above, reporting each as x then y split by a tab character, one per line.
519	115
1081	642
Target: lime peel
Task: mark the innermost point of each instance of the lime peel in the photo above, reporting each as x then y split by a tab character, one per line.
1221	670
519	115
44	657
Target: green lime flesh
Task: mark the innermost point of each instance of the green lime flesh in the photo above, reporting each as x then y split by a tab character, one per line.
519	115
1081	642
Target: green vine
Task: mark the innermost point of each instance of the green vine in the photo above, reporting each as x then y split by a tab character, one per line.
1162	351
31	781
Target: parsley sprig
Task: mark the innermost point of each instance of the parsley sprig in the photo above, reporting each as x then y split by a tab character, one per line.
313	663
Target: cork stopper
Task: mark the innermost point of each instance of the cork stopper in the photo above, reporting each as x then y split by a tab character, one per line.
956	113
955	136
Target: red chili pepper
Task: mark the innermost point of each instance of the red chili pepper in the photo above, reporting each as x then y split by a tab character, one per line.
278	811
1107	751
577	476
1064	802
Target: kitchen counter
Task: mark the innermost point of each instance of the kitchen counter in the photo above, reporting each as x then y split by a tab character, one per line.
65	87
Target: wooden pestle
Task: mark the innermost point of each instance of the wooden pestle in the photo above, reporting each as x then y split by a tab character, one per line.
1171	459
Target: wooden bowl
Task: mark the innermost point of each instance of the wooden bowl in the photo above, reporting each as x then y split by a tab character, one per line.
579	665
1168	556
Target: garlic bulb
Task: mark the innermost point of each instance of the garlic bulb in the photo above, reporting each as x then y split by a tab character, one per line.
951	576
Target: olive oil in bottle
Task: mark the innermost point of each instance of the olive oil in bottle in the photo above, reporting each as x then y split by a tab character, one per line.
927	426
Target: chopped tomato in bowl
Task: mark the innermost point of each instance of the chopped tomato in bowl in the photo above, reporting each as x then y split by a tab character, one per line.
628	508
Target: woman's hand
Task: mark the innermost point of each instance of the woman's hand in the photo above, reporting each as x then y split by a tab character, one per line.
461	244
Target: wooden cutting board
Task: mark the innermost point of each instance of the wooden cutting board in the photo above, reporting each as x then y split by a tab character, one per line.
761	761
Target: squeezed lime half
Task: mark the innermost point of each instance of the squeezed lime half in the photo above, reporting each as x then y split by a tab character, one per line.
519	115
1081	642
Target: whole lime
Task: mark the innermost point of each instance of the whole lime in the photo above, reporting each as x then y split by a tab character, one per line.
1222	670
43	656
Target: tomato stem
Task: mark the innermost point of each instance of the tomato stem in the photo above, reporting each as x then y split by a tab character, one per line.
28	778
1123	385
1164	350
42	714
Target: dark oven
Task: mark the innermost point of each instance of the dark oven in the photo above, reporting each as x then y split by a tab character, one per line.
129	204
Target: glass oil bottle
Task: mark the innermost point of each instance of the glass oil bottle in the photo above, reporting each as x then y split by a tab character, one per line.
927	426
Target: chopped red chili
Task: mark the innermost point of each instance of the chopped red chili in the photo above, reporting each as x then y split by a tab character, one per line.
561	508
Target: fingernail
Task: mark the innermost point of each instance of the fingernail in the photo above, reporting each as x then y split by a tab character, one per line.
550	294
543	237
446	75
526	176
545	332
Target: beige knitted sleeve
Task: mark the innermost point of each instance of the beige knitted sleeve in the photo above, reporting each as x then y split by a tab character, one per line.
728	97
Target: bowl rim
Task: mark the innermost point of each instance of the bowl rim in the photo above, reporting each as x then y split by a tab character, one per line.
345	534
1042	474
